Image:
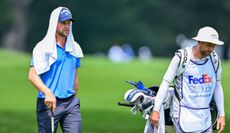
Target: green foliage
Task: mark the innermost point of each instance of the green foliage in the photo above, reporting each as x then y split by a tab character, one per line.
6	15
100	23
101	87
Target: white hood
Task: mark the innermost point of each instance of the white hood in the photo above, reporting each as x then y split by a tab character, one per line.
45	52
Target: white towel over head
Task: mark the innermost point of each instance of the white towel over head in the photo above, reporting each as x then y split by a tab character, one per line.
45	52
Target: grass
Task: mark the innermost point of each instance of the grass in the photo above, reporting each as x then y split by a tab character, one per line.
101	87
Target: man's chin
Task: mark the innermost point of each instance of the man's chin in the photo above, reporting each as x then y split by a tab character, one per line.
65	34
207	54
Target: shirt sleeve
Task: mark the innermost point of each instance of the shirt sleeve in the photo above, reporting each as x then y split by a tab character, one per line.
219	72
78	63
32	62
172	69
219	98
167	80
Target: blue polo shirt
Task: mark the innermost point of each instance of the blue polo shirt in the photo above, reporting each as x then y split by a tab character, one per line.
61	76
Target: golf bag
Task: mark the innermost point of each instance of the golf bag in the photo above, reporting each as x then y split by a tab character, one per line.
141	99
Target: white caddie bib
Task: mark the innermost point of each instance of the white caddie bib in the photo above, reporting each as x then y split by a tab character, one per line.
198	84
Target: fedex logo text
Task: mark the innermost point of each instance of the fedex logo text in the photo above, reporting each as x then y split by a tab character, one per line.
203	79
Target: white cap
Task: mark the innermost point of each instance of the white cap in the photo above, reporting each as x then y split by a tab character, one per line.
208	34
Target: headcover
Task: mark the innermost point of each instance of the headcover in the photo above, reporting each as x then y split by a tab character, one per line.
142	100
133	94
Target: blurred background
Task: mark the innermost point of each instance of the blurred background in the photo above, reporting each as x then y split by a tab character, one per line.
102	24
121	40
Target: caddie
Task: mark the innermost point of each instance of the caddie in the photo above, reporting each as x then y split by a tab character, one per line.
196	74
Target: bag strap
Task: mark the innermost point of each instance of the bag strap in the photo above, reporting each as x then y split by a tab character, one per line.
184	60
215	60
183	63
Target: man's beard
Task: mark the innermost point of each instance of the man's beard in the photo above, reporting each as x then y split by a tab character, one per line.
205	53
63	33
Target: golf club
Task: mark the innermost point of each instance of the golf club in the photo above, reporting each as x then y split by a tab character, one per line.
52	121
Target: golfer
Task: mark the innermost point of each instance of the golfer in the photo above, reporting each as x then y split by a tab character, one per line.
54	73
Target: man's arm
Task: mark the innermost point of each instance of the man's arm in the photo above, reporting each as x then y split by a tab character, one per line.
163	90
219	99
167	80
76	83
50	99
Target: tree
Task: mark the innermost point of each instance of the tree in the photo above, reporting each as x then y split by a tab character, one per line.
15	37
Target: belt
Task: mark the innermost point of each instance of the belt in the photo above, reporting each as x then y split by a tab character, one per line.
59	99
65	99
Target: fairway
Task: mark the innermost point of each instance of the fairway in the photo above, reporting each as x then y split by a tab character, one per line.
101	87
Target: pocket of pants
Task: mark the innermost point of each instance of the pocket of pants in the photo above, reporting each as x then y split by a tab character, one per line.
77	100
41	105
43	113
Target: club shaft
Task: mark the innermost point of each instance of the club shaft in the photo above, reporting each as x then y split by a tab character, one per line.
52	122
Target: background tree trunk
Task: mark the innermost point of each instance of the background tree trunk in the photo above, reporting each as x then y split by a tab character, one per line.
15	37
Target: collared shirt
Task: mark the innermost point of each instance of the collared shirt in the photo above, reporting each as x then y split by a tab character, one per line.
61	76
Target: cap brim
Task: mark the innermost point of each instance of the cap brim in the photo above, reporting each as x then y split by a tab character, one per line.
73	20
217	42
67	19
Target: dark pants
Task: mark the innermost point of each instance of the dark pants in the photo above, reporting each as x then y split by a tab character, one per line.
67	114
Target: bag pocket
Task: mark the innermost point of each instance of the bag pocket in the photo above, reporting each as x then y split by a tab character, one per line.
194	119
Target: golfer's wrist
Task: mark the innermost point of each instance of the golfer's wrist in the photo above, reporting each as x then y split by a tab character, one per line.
47	92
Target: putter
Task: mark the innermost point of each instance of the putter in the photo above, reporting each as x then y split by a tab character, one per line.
52	121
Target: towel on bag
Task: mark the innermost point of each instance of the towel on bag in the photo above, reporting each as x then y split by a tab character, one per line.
161	127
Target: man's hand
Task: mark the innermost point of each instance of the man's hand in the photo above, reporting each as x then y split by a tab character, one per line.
220	124
154	118
50	100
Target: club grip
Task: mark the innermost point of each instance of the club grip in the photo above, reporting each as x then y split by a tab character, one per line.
124	104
